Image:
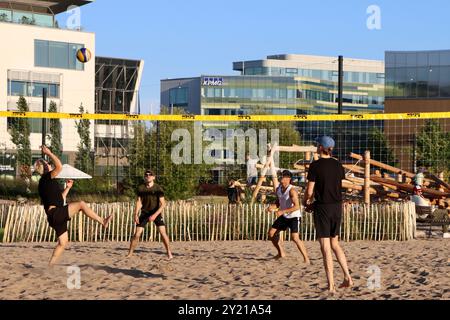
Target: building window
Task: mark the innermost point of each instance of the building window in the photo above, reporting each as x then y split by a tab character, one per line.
35	124
28	89
18	88
5	15
52	54
179	96
291	71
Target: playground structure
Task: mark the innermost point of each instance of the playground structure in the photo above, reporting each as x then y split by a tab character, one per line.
367	180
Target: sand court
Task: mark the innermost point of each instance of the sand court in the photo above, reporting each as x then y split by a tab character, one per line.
417	269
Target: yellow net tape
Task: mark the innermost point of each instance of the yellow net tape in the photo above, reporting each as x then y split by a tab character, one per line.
128	117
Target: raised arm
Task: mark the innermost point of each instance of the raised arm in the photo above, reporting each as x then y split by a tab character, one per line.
69	184
55	160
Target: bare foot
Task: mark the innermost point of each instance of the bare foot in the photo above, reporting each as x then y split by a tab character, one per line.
169	256
348	283
106	221
308	262
129	255
332	290
277	257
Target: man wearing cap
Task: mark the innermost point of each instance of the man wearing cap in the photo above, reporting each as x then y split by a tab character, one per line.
418	197
150	204
288	213
324	185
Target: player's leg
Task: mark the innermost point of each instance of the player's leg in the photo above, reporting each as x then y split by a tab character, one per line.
76	207
135	240
62	243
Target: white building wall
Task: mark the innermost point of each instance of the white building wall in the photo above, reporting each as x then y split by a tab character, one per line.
76	87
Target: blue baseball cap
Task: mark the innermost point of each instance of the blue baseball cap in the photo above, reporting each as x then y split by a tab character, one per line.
326	142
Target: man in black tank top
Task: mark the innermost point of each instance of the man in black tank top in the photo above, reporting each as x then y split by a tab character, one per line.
324	185
53	199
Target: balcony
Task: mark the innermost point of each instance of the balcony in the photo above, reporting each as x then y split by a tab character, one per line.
36	12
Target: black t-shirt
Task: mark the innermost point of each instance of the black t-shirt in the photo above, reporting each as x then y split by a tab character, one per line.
150	197
232	194
50	192
327	175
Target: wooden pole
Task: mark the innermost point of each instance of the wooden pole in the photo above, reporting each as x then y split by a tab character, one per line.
383	166
367	177
428	192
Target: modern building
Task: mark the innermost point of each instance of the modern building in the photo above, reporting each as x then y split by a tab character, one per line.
286	85
116	91
37	53
281	84
416	81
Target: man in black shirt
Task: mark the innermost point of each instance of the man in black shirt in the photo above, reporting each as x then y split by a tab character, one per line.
150	204
52	197
324	184
232	192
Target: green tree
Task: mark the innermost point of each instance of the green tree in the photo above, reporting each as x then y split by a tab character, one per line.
378	145
83	160
433	147
20	136
137	154
55	132
180	181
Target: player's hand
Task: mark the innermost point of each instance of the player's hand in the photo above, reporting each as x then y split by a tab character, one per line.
309	207
152	218
136	219
45	150
279	213
69	184
271	208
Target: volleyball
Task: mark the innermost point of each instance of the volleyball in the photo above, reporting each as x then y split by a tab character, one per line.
83	55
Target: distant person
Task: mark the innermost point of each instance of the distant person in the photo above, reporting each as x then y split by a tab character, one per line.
149	207
418	197
233	192
419	177
288	212
53	199
324	184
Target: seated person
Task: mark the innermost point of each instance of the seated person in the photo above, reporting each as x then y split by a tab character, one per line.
419	199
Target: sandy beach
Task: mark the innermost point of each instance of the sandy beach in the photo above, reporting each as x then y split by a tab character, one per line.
418	269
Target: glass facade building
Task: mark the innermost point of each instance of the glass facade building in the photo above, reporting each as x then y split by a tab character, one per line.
281	85
286	95
418	75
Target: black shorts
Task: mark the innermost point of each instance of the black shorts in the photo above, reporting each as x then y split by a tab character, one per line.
282	223
57	219
327	219
145	215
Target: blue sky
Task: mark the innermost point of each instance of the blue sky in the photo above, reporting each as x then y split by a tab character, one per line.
183	38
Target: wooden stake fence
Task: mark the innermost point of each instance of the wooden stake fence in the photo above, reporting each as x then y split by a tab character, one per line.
219	222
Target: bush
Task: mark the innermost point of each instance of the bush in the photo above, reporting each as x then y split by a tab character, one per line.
2	232
11	189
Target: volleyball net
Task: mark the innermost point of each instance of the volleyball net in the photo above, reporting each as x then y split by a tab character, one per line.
193	155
